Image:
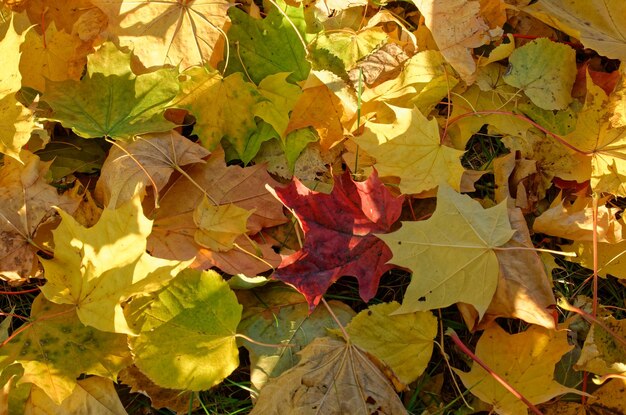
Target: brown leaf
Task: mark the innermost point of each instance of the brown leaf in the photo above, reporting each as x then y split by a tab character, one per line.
384	64
523	290
332	378
148	161
174	228
26	203
175	400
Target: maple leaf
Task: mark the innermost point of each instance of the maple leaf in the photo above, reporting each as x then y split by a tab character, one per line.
93	395
222	106
411	149
56	348
149	160
326	104
269	46
277	314
339	235
574	220
178	33
16	121
110	100
545	71
525	360
56	59
26	202
593	23
281	98
96	269
174	399
601	353
174	230
333	377
604	145
457	26
403	342
452	253
524	290
190	323
219	226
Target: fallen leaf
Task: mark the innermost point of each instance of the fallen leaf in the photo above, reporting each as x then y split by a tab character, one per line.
55	348
16	121
186	332
457	27
64	14
382	65
593	23
573	219
277	314
524	289
97	269
334	378
281	98
338	235
149	160
57	58
545	71
452	254
525	360
609	398
26	204
271	45
174	227
411	149
603	144
219	225
322	108
73	154
403	342
602	354
222	106
169	32
173	399
93	395
611	257
110	100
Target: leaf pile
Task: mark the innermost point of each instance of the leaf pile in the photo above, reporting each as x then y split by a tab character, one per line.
183	179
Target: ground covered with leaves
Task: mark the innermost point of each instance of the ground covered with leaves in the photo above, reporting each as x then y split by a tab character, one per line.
317	207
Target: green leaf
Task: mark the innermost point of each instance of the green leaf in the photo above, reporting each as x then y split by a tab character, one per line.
268	46
281	98
223	107
111	100
348	46
56	348
278	314
187	332
545	71
73	155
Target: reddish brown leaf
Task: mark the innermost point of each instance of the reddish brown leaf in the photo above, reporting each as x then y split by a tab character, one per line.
339	235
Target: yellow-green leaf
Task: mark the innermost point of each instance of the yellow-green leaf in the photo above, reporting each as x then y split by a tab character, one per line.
451	254
403	342
98	268
219	225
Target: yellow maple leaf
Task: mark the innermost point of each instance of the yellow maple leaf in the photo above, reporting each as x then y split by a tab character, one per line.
605	145
451	254
182	33
457	26
595	23
98	268
219	225
525	360
411	149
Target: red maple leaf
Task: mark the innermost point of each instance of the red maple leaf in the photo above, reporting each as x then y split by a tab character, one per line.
339	236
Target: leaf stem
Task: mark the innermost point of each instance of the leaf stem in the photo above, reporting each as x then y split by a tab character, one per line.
275	346
334	316
450	332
